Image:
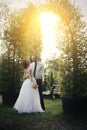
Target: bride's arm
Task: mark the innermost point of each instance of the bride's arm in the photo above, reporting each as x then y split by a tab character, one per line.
24	74
30	75
34	83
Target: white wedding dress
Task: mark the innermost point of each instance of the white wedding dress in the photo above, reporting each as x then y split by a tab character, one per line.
28	100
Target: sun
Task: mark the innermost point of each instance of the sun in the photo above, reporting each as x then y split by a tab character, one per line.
49	22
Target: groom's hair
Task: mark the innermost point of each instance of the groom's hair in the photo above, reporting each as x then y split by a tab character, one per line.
25	63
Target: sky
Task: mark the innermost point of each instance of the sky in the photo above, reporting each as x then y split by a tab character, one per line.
82	4
15	4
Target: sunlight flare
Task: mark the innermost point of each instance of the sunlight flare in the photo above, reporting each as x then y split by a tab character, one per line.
49	22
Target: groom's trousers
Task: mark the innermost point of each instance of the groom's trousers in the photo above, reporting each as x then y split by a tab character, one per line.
39	82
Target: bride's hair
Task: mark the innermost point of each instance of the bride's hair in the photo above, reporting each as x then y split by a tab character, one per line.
25	64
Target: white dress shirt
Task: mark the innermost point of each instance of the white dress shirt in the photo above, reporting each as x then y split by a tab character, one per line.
39	70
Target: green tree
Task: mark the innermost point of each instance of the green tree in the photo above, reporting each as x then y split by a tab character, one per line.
72	41
74	52
22	38
52	72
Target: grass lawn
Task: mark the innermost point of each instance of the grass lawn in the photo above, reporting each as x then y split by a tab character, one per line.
52	119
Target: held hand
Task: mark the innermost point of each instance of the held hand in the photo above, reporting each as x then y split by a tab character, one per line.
34	85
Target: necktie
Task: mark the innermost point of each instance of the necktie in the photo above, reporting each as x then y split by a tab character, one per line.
35	68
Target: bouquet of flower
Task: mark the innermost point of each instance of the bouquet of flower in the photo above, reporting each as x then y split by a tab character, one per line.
34	85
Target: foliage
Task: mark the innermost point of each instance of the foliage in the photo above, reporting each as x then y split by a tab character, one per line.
52	72
4	14
73	63
72	42
23	32
10	79
21	40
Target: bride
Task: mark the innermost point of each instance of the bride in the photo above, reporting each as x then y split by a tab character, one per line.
28	100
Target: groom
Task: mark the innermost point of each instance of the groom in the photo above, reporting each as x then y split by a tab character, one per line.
38	71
